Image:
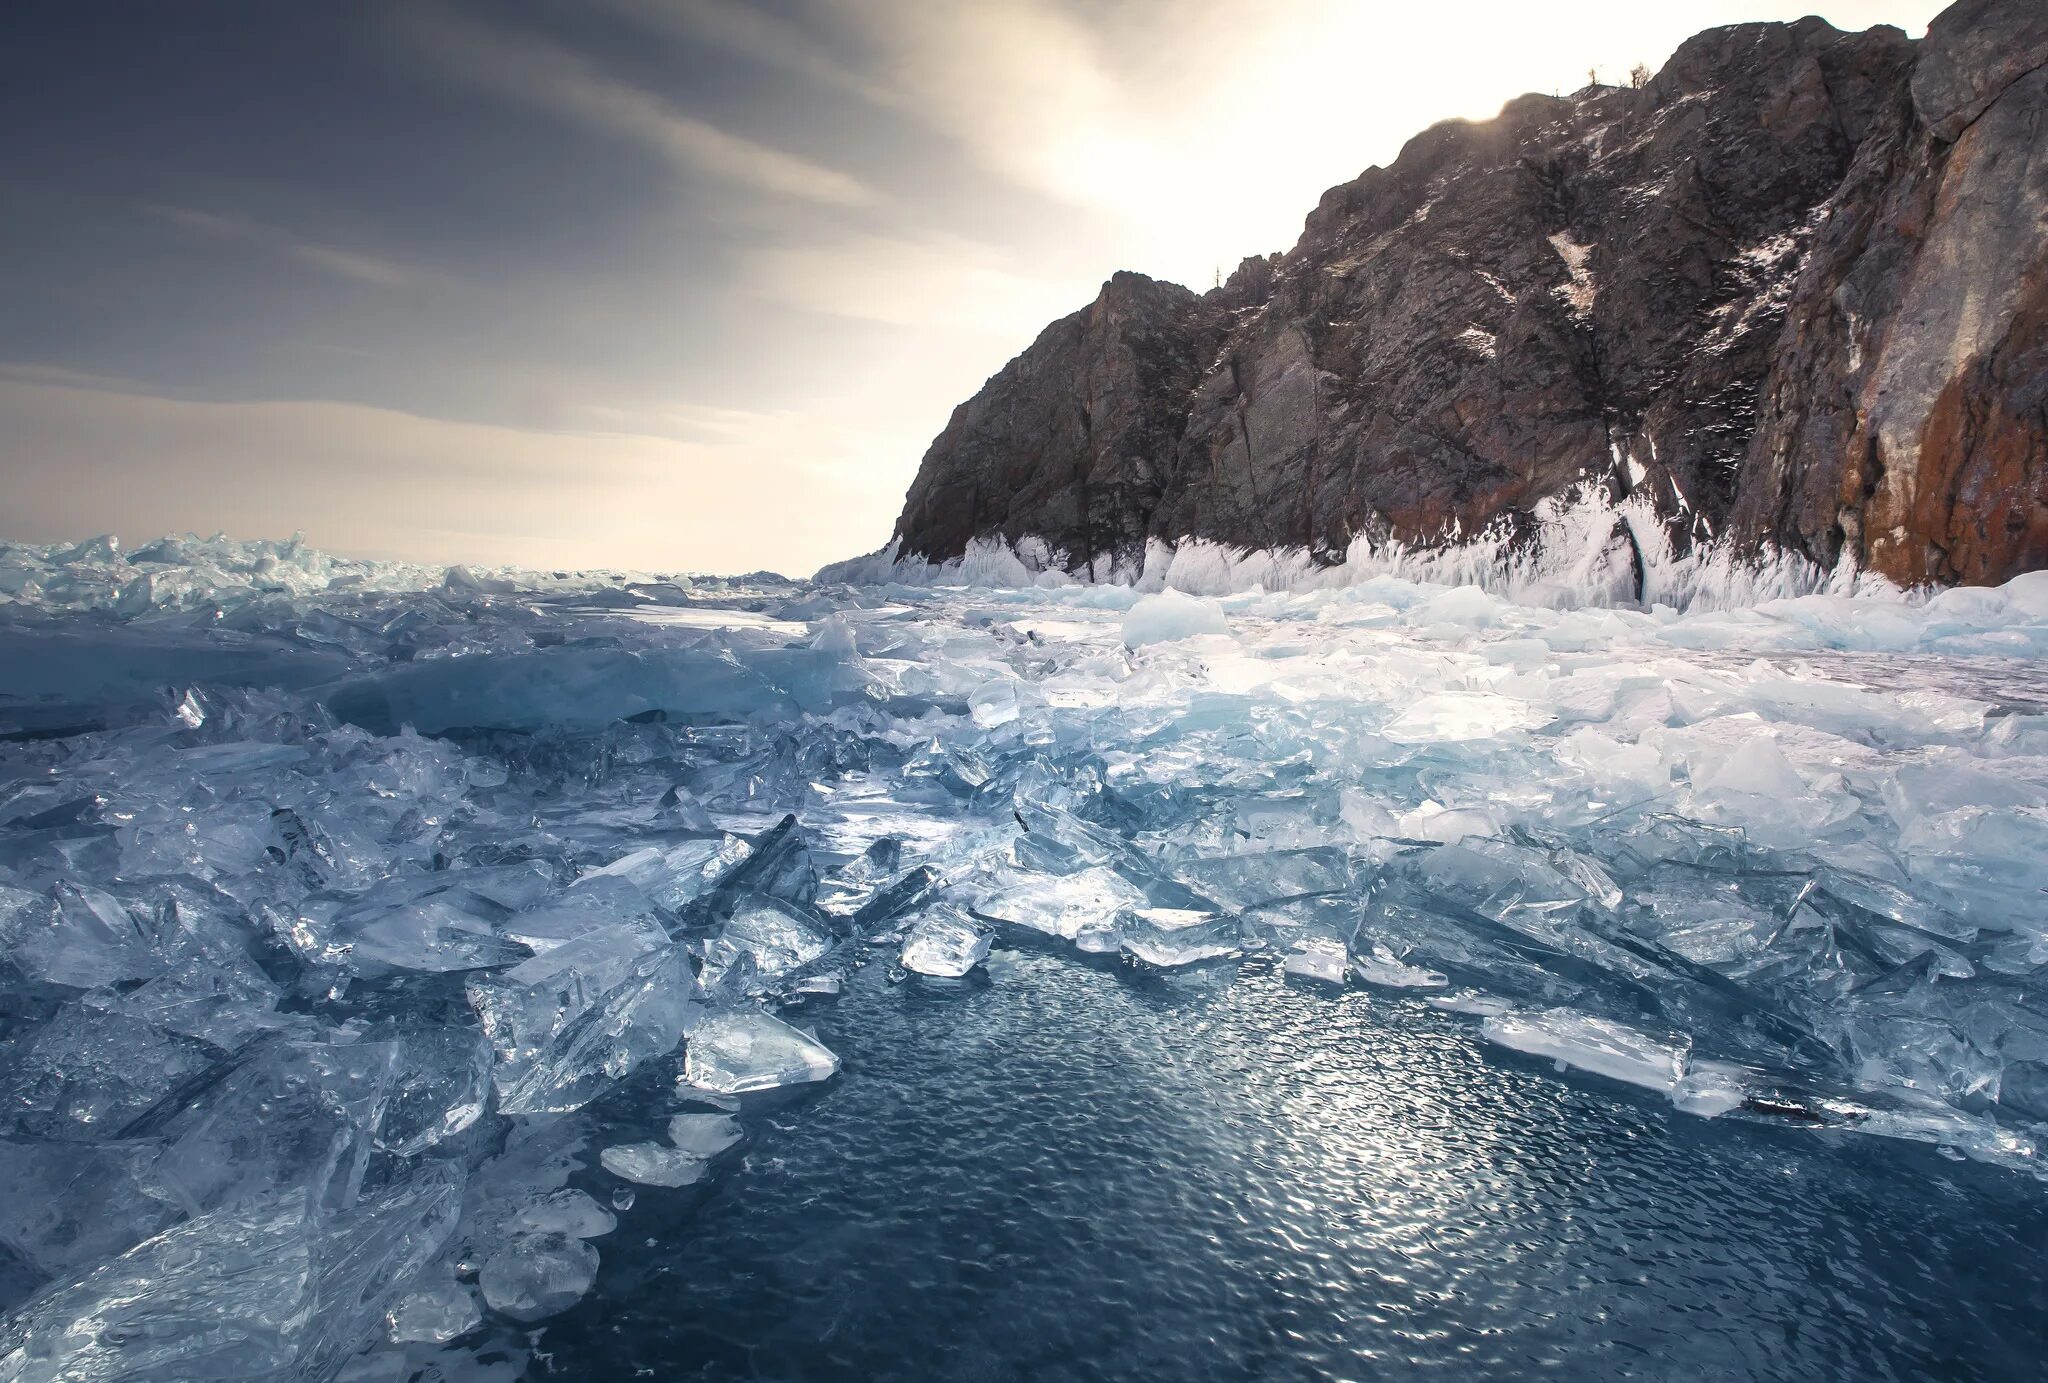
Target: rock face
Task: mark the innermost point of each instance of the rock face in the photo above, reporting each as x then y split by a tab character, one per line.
1795	288
1074	439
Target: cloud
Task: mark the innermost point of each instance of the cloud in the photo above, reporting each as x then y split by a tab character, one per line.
932	282
328	259
1203	130
34	372
382	483
1025	87
350	264
754	34
543	75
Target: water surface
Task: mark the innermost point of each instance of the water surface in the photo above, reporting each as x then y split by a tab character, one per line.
1082	1172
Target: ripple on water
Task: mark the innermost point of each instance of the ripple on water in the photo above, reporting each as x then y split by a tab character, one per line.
1092	1174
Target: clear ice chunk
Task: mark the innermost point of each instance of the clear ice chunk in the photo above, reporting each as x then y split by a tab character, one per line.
538	1159
592	903
1318	958
86	939
1062	905
291	1116
1597	1045
225	1001
777	865
1471	1002
366	1255
653	1164
1711	1088
1511	884
570	1021
70	1205
88	1073
894	900
535	1276
444	932
1171	616
1389	971
227	1295
262	1290
764	936
945	943
433	1315
443	921
1459	717
1268	876
673	877
565	1210
734	1053
1170	937
439	1087
704	1135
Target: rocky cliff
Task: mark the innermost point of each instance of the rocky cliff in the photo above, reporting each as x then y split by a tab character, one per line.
1794	290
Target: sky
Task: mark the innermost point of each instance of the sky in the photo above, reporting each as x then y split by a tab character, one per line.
655	284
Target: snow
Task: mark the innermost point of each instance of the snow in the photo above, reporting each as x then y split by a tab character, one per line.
361	925
1577	561
1171	616
1479	341
1579	294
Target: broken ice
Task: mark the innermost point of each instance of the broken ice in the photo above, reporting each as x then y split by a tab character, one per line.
535	1276
704	1135
582	1014
1385	969
1591	1044
352	915
734	1053
945	943
1171	616
434	1314
653	1164
1319	959
1176	936
766	935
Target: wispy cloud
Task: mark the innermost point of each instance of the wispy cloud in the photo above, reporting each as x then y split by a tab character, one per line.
748	31
86	460
1028	89
537	73
927	281
65	377
328	259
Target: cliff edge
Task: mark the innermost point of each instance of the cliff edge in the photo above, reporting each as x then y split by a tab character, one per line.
1793	290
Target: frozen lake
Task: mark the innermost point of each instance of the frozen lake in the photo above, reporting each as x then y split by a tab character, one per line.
481	975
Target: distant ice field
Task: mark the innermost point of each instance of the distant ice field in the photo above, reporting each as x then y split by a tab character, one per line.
393	960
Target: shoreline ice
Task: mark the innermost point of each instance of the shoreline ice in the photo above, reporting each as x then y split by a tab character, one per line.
360	942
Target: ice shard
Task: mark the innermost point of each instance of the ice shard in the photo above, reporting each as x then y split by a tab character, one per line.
734	1053
569	1021
946	943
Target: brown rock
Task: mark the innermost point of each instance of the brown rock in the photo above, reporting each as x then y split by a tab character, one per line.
1794	287
1068	440
1974	50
